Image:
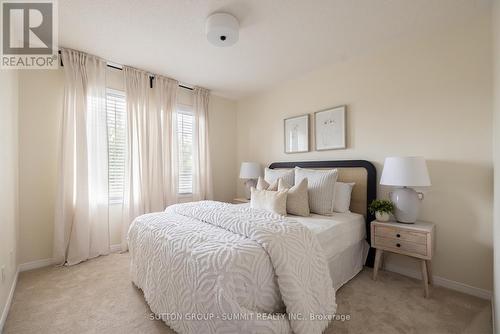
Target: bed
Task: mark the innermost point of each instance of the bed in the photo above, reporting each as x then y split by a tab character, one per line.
214	267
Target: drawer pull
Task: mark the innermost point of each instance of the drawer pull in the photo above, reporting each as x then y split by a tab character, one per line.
398	235
398	245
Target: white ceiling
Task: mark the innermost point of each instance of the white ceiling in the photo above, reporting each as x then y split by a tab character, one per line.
279	39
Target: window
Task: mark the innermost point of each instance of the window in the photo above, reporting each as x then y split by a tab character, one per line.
116	118
185	127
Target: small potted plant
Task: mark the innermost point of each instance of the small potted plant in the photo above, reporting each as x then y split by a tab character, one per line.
382	209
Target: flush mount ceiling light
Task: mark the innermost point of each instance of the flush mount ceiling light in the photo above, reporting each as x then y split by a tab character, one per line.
222	29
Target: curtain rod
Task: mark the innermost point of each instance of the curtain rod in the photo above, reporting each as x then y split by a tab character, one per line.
151	77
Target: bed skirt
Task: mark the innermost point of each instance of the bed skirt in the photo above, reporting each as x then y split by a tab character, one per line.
348	263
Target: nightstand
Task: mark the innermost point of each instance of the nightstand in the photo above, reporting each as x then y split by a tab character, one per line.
415	240
240	200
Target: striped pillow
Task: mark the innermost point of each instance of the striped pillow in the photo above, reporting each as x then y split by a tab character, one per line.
321	188
272	175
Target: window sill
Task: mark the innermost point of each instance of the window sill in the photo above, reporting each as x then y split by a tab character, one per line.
119	202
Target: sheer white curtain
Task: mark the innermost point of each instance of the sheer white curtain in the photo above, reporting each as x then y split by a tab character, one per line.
165	97
202	174
81	228
150	167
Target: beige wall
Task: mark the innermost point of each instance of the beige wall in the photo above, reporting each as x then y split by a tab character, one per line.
40	106
222	125
39	127
8	181
429	96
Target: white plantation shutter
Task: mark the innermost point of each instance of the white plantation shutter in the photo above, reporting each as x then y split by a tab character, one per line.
116	117
185	127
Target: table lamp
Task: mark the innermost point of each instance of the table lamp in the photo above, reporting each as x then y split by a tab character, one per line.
250	172
405	172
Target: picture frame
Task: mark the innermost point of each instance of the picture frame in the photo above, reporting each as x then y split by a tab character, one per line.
330	129
296	134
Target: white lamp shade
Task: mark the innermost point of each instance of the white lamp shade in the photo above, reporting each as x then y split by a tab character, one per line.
405	172
250	170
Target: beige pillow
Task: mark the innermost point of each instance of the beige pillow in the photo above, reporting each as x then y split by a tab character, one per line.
274	201
264	185
297	199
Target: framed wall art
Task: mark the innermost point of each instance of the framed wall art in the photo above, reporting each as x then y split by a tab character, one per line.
297	134
330	129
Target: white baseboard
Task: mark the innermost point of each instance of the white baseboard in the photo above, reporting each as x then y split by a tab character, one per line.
495	329
48	262
444	282
8	303
36	264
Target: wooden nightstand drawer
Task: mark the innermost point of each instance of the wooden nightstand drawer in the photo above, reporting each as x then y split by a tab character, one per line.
402	246
401	234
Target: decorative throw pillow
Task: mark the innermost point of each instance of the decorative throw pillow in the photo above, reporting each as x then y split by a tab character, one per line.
342	199
263	185
321	186
274	201
271	175
297	199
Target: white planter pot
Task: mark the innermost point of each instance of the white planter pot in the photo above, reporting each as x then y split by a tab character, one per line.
382	216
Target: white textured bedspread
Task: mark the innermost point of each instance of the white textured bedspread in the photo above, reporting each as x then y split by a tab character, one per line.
211	267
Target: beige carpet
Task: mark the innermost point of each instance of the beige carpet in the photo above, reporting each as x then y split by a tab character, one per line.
98	297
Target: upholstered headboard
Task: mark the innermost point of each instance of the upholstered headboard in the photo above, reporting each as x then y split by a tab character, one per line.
362	172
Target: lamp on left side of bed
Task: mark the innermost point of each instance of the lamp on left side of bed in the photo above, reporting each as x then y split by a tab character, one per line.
250	172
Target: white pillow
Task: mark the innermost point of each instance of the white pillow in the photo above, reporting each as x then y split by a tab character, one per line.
272	175
274	201
263	185
342	199
321	187
297	199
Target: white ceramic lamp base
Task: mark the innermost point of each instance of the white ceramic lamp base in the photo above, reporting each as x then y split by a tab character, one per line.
249	183
406	202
